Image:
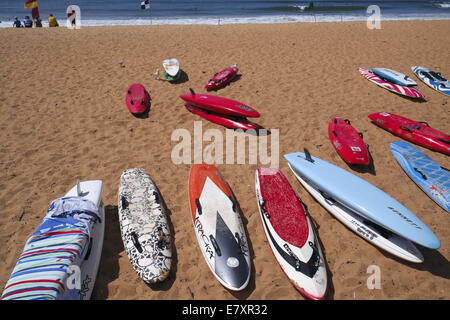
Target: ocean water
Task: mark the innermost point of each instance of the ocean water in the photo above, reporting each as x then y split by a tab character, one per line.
128	12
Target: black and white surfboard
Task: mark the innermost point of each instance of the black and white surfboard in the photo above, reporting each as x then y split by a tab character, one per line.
144	226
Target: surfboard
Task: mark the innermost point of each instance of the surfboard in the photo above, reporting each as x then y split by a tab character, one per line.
219	105
218	227
394	76
373	233
433	79
401	90
60	260
144	226
171	66
362	197
137	99
290	233
222	78
425	172
227	121
91	190
418	132
348	143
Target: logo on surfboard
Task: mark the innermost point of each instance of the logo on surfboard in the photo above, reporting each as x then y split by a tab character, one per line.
246	108
404	218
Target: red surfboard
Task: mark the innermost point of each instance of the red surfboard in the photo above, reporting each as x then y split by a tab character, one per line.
222	78
417	132
228	121
137	99
290	233
348	142
220	105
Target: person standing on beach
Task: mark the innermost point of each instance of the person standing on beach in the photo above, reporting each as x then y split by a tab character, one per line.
52	22
17	23
27	22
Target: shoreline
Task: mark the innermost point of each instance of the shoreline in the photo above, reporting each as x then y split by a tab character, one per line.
307	18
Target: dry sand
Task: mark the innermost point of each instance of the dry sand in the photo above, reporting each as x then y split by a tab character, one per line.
63	117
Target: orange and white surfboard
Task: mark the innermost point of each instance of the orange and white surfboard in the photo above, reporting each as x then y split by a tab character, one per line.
218	227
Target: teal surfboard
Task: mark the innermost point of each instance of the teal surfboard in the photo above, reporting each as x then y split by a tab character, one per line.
362	197
425	172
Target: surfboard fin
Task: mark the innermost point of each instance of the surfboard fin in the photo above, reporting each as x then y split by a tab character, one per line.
192	91
308	156
79	192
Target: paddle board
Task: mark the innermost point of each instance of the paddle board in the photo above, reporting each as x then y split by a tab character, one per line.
219	105
60	260
425	172
418	132
433	79
373	233
401	90
348	142
144	226
290	233
394	76
137	99
171	66
362	197
222	78
227	121
218	227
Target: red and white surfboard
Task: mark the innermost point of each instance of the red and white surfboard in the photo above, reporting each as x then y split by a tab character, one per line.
218	227
290	233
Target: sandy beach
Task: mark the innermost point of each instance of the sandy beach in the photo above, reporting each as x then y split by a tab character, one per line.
63	117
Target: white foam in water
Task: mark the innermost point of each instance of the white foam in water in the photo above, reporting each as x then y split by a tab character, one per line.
244	20
445	5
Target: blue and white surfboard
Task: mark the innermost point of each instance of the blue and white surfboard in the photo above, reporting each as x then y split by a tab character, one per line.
427	173
362	197
394	76
433	79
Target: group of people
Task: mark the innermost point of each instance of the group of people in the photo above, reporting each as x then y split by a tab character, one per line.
36	22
